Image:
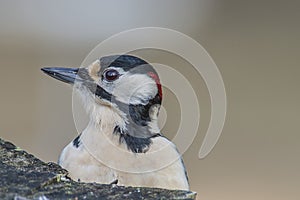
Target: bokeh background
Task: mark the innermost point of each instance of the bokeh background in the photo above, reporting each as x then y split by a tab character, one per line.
255	44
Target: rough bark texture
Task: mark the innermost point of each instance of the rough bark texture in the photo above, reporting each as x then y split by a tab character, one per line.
23	176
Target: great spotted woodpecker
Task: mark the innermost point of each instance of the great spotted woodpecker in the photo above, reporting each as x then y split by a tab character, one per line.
122	143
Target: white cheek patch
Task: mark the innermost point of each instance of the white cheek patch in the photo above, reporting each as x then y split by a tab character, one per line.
135	89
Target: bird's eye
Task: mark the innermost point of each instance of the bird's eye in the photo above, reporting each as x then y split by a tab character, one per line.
111	75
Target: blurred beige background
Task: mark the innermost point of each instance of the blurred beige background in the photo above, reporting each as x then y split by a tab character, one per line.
255	44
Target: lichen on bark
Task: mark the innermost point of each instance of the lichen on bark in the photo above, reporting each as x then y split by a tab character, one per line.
23	176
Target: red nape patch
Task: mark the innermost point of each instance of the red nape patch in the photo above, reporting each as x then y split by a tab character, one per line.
157	81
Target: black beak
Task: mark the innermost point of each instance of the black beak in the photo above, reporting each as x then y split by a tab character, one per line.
67	75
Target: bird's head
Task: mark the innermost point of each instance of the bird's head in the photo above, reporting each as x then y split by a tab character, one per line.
125	84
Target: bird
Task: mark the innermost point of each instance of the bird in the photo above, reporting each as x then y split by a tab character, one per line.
122	143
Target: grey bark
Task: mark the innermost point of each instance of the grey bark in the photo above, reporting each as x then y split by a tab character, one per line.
23	176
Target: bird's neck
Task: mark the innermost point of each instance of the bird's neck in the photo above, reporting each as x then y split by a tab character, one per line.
106	123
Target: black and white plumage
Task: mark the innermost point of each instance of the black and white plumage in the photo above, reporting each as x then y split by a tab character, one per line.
122	143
